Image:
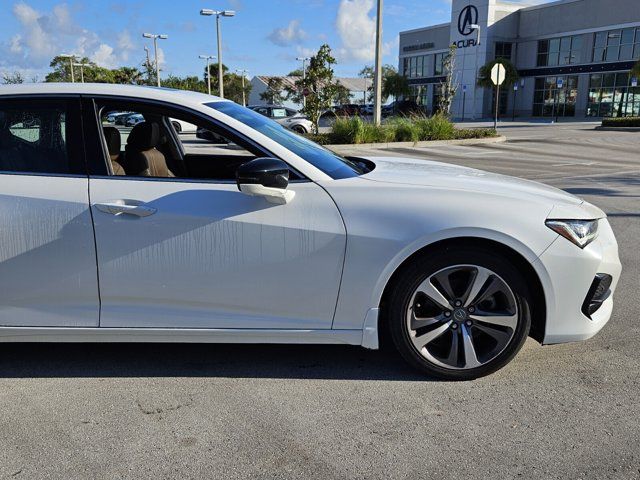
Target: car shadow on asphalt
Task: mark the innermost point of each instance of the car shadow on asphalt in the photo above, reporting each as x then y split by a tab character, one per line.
331	362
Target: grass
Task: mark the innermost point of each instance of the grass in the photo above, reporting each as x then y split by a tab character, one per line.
621	122
355	131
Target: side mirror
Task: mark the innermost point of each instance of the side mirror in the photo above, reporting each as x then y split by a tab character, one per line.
265	177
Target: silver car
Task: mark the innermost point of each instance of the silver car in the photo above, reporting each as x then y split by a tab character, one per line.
287	117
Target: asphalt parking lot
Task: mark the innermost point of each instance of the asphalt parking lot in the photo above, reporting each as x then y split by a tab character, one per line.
235	411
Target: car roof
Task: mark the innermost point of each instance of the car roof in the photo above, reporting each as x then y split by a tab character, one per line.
135	91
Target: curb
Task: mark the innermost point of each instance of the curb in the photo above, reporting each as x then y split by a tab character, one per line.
618	129
433	143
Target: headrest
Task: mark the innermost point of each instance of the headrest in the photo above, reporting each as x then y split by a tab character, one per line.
114	141
144	136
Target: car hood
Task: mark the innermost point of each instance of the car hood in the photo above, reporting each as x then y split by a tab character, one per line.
443	175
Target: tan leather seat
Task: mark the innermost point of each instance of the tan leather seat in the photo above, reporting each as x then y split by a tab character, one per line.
114	144
142	157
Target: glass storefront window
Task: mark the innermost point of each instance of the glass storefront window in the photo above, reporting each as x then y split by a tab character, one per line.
417	67
549	100
559	51
617	45
611	95
438	60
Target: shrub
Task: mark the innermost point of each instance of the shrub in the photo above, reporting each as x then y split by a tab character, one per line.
347	130
406	130
437	127
621	122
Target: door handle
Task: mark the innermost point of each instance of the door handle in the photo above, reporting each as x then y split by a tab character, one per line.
126	207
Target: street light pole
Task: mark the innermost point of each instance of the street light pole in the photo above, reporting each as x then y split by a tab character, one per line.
72	59
377	109
81	65
219	13
155	38
477	28
304	61
208	58
244	94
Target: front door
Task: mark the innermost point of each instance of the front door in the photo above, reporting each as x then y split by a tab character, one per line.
48	274
186	249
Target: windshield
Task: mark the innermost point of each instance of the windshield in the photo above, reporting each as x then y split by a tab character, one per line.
321	158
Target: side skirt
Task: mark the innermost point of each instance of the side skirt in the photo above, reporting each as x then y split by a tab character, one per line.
153	335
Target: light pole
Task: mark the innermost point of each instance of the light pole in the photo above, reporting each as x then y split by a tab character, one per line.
244	95
304	61
155	38
477	28
72	59
81	65
377	87
219	13
208	58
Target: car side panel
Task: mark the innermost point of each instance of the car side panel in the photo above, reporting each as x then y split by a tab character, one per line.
380	237
48	272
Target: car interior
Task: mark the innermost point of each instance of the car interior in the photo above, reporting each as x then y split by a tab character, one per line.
154	148
33	141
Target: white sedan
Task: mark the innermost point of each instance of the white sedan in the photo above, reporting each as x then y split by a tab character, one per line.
261	236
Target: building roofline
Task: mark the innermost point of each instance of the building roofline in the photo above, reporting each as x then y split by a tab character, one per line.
432	27
551	4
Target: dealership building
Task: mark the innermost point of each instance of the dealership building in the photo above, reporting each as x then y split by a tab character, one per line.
573	58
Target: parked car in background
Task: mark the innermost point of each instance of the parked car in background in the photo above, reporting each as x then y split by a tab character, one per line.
403	108
133	120
183	127
118	118
367	109
349	110
286	117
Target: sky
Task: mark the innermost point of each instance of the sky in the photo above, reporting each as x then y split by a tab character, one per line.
264	37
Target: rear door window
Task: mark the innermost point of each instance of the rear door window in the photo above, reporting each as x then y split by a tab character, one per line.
40	137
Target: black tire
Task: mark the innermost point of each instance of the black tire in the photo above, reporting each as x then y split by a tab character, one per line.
422	268
300	130
177	126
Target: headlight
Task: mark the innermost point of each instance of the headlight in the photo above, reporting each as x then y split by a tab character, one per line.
578	232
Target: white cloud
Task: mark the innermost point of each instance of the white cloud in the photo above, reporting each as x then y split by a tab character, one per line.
356	27
15	45
44	35
104	56
289	35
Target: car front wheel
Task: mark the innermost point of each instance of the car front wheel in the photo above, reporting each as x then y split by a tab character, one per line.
459	314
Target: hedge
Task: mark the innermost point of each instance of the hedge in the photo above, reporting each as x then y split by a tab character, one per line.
621	122
354	131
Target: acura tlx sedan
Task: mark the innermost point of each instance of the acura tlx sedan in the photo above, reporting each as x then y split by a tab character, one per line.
253	234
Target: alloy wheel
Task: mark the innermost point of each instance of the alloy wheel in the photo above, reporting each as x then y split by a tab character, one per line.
462	317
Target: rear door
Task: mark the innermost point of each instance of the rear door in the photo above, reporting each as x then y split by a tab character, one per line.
48	274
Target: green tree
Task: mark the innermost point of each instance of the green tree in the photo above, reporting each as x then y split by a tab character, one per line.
448	87
295	73
12	78
392	86
62	68
275	93
232	83
484	75
128	76
148	71
343	95
193	83
319	83
395	85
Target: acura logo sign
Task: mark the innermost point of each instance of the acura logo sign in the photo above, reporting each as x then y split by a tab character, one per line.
468	16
